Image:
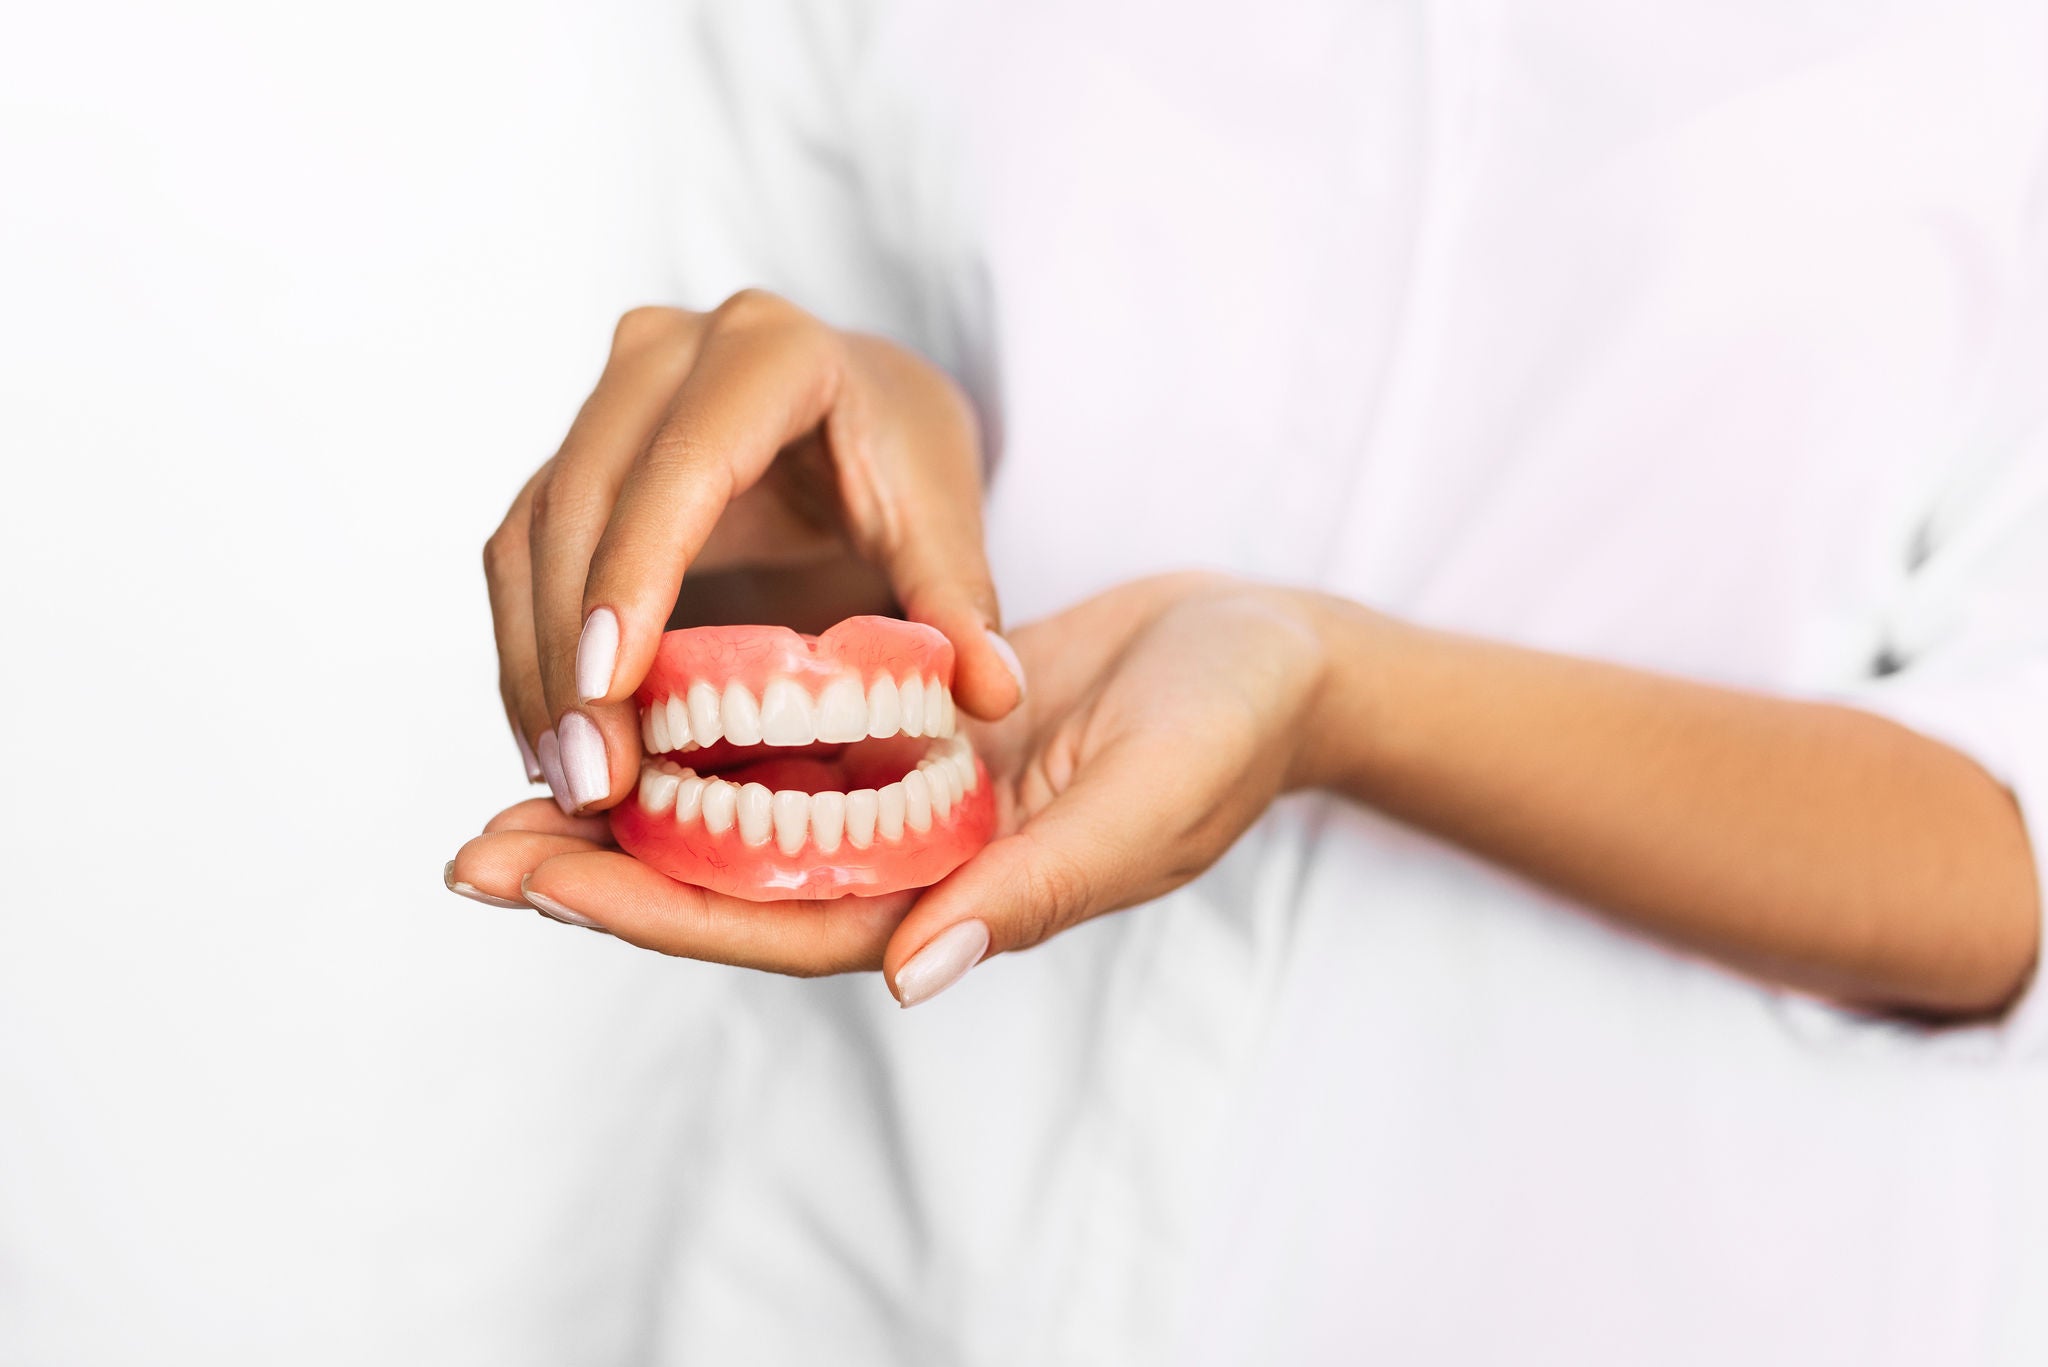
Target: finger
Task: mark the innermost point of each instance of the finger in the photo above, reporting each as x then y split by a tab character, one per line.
508	578
923	511
765	373
653	350
495	864
644	908
540	814
1092	848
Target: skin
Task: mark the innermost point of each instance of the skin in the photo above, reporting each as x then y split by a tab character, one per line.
1808	844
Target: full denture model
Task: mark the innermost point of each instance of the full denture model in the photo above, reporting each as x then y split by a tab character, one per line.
781	765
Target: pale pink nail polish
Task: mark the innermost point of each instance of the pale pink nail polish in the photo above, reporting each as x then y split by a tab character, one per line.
527	757
597	654
941	963
471	891
555	911
583	759
551	769
1008	655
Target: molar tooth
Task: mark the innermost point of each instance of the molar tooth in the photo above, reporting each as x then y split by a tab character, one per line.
792	812
963	767
705	726
689	797
657	722
678	723
828	818
786	714
913	706
657	790
647	715
885	708
917	801
741	717
889	812
842	712
720	801
755	817
862	807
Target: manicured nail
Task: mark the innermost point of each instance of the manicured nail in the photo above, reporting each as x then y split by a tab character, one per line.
551	770
940	964
555	911
1010	661
597	654
471	891
583	760
526	755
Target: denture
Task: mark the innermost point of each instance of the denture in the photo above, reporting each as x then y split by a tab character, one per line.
780	765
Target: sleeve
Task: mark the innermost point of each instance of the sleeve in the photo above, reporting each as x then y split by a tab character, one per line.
1965	657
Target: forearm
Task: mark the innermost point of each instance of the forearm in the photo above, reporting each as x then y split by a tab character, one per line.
1815	845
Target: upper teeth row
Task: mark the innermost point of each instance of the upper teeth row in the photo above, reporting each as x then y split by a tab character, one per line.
926	793
786	714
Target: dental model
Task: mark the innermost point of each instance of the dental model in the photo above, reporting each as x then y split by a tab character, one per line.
787	766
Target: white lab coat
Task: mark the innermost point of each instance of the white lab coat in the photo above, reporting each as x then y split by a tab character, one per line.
1706	340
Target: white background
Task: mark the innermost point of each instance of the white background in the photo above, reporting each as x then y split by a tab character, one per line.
291	300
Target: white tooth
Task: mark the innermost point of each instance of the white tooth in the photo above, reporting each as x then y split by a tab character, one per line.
862	807
939	775
963	768
917	802
647	731
703	710
657	790
657	722
828	818
740	717
792	813
889	812
689	797
885	708
913	706
755	817
842	712
720	800
678	722
786	714
938	705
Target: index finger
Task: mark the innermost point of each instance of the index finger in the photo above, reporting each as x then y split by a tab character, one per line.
765	374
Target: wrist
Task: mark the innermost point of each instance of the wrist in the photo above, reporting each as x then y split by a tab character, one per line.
1346	716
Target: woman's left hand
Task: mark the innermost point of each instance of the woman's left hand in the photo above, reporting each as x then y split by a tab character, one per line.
1164	717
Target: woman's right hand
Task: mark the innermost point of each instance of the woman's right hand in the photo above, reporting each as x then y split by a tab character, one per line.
752	436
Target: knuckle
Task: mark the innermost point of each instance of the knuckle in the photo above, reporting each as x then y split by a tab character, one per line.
1058	894
646	326
498	553
753	308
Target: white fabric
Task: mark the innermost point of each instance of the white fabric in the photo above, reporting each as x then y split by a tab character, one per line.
1707	340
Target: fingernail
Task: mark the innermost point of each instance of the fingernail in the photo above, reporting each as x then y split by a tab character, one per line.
940	964
551	770
471	891
555	911
597	654
583	761
533	773
1009	658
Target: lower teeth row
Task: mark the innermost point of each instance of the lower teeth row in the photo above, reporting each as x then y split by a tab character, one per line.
793	819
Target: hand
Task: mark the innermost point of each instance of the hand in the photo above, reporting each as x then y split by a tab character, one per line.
1164	717
752	436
